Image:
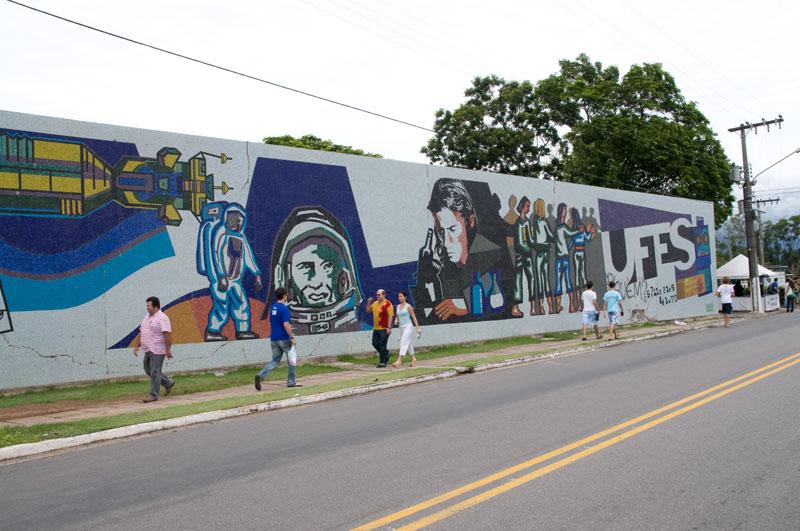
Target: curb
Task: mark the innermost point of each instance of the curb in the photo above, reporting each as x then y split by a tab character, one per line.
52	445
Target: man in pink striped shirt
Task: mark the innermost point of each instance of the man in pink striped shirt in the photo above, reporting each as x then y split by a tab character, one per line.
155	339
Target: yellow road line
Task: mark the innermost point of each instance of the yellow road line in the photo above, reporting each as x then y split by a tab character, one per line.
404	513
491	493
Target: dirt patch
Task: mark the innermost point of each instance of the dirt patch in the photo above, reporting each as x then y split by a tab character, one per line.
37	410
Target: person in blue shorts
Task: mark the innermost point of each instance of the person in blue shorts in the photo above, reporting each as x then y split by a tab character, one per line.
613	308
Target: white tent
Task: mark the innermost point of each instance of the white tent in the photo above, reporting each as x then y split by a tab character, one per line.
739	268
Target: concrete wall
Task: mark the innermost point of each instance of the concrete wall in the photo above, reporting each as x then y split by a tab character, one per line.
95	218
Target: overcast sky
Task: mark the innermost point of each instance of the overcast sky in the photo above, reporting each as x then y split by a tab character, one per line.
405	59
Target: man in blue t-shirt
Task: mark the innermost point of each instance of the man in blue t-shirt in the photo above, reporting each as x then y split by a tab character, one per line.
613	308
281	339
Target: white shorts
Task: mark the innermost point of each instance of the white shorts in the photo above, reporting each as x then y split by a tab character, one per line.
613	318
590	318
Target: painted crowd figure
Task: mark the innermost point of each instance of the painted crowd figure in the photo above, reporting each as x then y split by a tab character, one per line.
523	257
225	255
543	238
533	239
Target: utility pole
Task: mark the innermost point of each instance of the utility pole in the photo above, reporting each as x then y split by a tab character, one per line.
755	286
762	257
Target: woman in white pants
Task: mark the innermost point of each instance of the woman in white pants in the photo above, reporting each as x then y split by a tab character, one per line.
406	320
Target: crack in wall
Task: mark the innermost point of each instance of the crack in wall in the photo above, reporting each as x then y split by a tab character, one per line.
39	354
246	184
207	356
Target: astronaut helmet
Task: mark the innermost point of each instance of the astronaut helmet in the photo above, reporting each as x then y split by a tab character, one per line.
235	217
212	211
313	259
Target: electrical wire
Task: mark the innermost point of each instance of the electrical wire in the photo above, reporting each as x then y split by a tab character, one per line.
218	67
380	35
616	183
468	58
690	52
635	52
402	34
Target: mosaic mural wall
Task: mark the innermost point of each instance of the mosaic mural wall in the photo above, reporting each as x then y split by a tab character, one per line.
96	218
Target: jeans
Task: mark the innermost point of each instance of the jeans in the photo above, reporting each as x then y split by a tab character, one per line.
380	338
152	367
279	348
789	304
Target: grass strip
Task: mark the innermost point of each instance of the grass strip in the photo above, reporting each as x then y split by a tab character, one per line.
186	384
12	435
453	350
492	344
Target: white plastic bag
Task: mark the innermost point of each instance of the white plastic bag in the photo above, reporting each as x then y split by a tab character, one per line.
291	357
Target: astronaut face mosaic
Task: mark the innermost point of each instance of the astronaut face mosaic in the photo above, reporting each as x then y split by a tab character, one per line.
314	272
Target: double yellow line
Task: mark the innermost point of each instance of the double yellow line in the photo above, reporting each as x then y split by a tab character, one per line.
637	425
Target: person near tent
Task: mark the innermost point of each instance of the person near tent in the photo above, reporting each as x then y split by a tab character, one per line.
724	292
738	289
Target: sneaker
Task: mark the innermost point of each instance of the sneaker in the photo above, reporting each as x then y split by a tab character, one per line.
168	390
258	383
381	366
295	385
211	337
149	399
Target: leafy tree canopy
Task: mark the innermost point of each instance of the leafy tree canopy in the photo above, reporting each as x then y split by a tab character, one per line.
502	127
588	125
782	242
314	142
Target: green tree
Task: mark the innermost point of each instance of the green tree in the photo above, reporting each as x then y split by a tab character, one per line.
502	127
314	142
731	239
782	242
635	132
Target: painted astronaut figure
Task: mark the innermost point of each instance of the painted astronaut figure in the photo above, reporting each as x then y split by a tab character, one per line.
210	215
232	257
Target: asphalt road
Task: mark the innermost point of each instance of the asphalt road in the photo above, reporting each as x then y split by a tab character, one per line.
729	462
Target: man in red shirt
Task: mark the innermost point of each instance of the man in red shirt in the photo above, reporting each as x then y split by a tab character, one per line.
155	338
382	313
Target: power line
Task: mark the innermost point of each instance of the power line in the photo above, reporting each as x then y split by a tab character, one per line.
405	35
635	52
700	83
380	35
218	67
690	52
616	183
469	59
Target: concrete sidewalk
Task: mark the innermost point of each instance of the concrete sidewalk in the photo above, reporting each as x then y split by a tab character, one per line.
65	411
444	367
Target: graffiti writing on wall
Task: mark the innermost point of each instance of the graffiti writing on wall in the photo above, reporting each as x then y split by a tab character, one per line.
657	255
